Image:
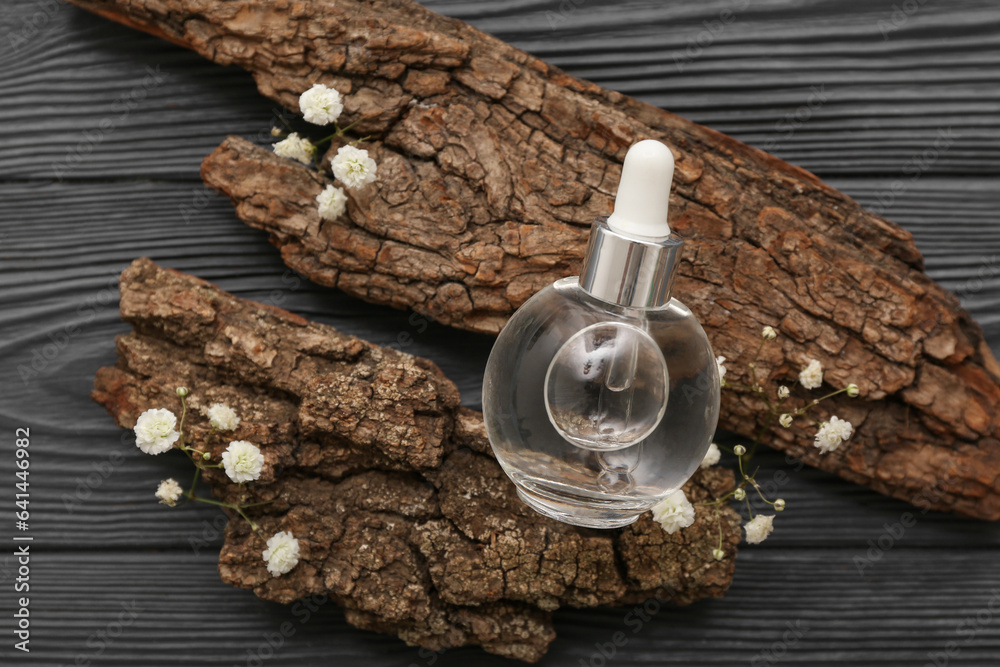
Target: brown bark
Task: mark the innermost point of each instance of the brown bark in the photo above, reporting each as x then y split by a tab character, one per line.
493	165
402	514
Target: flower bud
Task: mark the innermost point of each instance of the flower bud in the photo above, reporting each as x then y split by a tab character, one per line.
276	132
739	494
739	450
779	505
785	420
206	455
852	390
718	554
768	333
182	391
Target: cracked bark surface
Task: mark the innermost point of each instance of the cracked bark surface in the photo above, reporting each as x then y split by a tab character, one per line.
492	166
403	516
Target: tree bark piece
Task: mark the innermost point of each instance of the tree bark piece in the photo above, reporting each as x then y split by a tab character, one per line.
403	516
493	165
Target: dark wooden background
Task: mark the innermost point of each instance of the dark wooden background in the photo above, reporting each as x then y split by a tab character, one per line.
85	188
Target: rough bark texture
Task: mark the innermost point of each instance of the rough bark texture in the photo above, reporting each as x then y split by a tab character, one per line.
402	514
493	165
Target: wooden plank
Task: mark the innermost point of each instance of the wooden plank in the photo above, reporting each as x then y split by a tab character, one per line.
893	616
885	99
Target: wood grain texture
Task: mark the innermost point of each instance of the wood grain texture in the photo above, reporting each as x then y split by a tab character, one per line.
746	82
117	545
896	616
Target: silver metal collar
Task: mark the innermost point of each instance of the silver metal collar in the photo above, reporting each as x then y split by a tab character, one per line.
629	271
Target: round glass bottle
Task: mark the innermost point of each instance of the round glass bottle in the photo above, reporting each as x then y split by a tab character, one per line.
601	394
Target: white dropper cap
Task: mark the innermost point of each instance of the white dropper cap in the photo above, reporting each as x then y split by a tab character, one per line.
644	191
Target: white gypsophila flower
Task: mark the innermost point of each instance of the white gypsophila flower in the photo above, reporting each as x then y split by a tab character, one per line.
155	431
169	492
832	434
811	376
243	461
222	417
711	457
783	392
759	528
295	147
332	203
353	167
282	553
721	362
321	105
768	333
674	512
785	420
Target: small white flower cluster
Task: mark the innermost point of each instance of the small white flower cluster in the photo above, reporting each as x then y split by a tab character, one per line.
332	202
674	512
295	147
156	432
169	492
282	553
355	169
321	105
242	461
832	434
712	456
352	166
758	528
811	376
222	417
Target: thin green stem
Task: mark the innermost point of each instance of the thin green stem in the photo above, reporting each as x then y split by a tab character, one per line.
341	131
816	402
753	365
760	434
253	526
347	129
718	520
184	409
236	508
194	482
718	501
